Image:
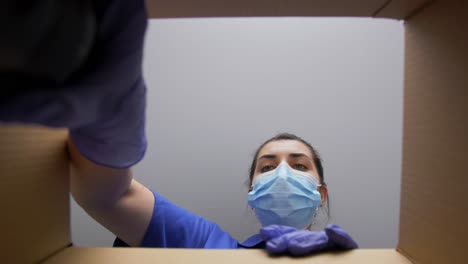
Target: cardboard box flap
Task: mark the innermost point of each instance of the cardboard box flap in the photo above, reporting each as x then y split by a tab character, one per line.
249	8
401	9
34	197
183	256
434	208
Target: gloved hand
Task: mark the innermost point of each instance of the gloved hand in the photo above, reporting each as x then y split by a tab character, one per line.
284	239
103	104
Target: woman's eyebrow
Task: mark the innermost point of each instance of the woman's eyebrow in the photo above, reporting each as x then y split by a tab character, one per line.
267	156
292	155
299	155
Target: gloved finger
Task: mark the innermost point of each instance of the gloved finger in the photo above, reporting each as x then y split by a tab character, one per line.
273	231
279	245
340	238
305	242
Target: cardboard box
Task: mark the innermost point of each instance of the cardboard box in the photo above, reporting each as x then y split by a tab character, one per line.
434	210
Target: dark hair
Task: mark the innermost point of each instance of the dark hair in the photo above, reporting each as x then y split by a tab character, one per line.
315	156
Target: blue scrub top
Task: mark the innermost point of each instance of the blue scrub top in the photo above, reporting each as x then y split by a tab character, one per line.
174	227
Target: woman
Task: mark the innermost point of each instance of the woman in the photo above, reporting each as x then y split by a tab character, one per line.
103	105
287	188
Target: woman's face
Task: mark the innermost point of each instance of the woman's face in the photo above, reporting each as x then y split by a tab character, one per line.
295	153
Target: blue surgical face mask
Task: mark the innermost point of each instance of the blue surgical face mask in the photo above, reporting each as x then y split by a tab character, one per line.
285	196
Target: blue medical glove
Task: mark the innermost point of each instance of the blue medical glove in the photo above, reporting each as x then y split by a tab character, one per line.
103	104
284	240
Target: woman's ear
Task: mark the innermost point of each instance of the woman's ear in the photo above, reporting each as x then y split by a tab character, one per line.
323	194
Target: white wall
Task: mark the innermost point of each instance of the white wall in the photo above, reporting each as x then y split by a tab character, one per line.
219	87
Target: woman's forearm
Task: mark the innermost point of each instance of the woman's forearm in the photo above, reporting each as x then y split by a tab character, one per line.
96	187
112	197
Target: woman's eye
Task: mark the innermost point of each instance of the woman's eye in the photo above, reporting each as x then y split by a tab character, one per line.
267	168
300	167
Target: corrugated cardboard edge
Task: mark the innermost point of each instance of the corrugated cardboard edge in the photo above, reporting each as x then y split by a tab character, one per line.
261	8
34	197
396	9
434	211
76	255
401	9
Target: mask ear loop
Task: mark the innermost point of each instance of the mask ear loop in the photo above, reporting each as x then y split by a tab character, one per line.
314	217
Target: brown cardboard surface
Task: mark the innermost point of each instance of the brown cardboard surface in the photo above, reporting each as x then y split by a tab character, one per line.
34	193
401	9
76	255
434	211
434	207
243	8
